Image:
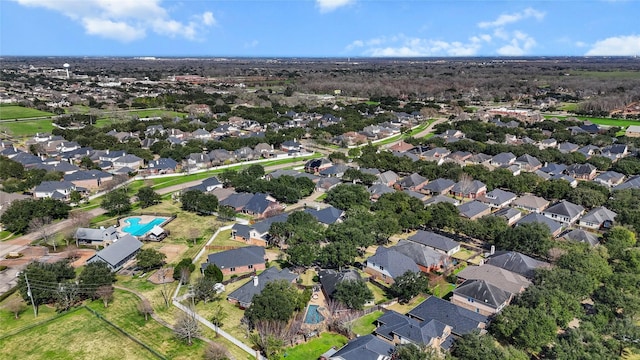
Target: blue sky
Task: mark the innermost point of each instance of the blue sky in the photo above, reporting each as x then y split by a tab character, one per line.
319	28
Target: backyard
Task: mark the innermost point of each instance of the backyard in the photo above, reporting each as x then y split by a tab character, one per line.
316	347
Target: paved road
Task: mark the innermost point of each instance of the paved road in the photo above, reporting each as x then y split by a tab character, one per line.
422	133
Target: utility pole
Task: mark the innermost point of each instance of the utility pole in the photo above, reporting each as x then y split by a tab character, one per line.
26	279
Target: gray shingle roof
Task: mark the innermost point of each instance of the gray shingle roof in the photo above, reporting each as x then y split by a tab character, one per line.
599	215
87	175
497	197
461	320
393	262
412	180
582	236
119	250
107	234
243	256
483	292
472	208
434	240
366	347
516	262
245	293
553	225
420	254
501	278
327	215
565	208
331	278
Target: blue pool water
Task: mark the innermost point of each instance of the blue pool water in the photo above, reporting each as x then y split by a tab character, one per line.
313	316
135	228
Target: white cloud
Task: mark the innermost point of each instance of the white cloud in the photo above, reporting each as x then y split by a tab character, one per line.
403	46
125	20
112	30
520	44
616	46
505	19
326	6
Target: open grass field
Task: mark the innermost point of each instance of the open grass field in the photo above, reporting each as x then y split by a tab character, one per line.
75	335
364	325
601	121
316	347
26	128
20	112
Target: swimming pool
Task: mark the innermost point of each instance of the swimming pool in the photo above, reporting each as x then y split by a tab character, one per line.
313	316
136	228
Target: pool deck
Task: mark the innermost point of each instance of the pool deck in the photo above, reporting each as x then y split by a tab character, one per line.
144	219
317	298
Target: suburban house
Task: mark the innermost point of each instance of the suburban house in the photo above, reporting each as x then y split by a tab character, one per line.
511	215
257	233
441	198
555	227
198	161
553	169
582	171
413	182
615	151
388	178
261	205
6	199
609	178
498	198
237	261
582	236
473	210
427	259
517	263
363	348
481	297
89	179
329	215
329	279
96	237
564	211
528	163
316	165
59	190
439	243
531	203
336	170
128	161
387	264
377	190
118	253
162	166
461	320
598	218
567	147
501	278
243	296
438	186
396	329
631	183
208	185
468	189
291	146
503	160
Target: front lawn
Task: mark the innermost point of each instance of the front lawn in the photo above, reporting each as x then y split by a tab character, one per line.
316	347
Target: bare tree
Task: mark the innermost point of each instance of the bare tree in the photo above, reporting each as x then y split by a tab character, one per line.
145	308
105	292
216	351
466	183
40	226
67	295
194	234
78	220
16	306
162	274
187	326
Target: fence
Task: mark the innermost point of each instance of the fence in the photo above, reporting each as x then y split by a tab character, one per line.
220	247
125	333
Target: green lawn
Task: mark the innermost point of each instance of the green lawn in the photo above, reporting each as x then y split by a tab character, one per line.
364	325
20	112
75	335
601	121
316	347
25	128
442	290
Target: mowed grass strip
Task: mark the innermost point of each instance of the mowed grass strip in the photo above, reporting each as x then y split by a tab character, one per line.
26	128
316	347
20	112
76	335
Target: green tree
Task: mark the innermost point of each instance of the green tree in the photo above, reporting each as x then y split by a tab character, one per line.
411	351
116	202
527	329
149	259
618	240
183	270
18	216
203	289
147	197
338	254
214	273
533	239
408	285
277	302
346	196
75	197
353	294
93	276
48	277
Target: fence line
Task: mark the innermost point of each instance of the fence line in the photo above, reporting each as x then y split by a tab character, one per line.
125	333
219	331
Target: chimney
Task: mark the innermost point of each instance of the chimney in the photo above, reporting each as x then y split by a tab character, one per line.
255	281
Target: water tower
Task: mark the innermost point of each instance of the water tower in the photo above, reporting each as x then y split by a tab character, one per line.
66	67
